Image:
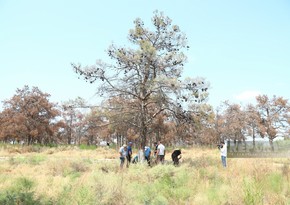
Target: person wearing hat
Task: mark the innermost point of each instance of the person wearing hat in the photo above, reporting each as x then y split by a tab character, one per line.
129	153
123	153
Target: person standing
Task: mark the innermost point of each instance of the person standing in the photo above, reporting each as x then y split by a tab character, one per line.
129	153
223	151
123	153
160	153
147	153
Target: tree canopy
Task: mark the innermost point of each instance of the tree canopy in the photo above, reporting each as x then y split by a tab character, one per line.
147	77
28	116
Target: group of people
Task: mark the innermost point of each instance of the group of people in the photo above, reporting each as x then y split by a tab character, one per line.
125	154
158	155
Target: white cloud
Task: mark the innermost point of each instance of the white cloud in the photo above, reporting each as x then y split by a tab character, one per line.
247	95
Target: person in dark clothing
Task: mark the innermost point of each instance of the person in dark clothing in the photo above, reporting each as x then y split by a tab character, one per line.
129	153
176	156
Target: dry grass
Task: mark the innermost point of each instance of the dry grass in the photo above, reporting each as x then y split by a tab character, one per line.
68	175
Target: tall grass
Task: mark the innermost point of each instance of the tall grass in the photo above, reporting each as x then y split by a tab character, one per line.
69	175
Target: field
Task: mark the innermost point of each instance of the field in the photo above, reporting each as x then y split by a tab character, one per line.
72	175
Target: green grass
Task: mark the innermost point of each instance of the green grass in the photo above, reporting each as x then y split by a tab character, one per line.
87	147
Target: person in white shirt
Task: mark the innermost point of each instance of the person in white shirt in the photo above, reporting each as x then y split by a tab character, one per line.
160	153
223	151
123	153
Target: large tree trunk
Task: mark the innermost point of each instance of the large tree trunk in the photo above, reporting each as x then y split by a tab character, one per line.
143	135
143	126
29	141
254	142
69	136
271	143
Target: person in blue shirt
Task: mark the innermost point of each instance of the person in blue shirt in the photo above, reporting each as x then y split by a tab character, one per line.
147	153
129	153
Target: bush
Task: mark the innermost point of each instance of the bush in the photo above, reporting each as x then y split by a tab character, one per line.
20	194
18	198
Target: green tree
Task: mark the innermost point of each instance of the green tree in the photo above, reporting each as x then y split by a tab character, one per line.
148	75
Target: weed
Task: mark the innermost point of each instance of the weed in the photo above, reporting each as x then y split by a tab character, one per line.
253	192
37	159
20	194
85	196
78	167
275	182
285	171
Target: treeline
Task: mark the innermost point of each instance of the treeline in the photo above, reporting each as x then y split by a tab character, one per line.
29	117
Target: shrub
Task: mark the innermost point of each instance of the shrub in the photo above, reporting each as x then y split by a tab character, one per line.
21	194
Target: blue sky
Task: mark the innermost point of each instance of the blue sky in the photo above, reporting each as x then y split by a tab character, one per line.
241	47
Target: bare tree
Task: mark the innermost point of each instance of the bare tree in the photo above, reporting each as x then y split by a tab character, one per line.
234	122
73	117
147	77
252	122
203	124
